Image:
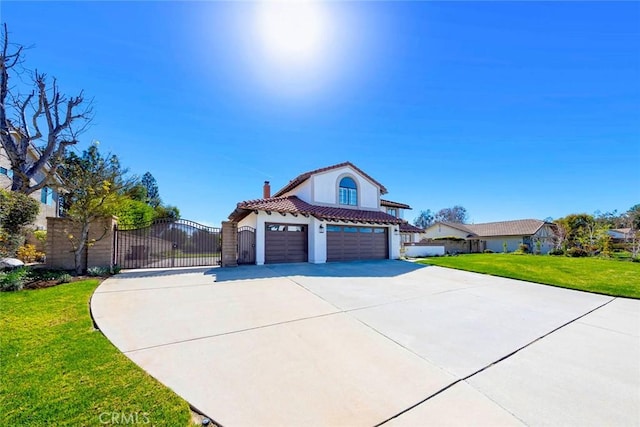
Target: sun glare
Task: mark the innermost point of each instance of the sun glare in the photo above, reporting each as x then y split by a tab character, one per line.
292	32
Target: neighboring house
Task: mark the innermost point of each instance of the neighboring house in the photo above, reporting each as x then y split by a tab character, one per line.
329	214
48	198
493	235
620	235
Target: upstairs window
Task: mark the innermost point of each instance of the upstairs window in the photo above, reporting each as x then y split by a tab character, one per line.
392	212
46	196
348	192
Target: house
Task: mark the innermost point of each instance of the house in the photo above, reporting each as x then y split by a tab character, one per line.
620	235
536	234
48	197
330	214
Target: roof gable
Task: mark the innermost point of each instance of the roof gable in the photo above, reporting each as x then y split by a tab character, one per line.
305	176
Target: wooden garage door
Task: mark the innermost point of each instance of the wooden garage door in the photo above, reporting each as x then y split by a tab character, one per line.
348	243
285	243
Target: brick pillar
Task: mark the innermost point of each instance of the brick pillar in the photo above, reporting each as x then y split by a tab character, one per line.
60	251
229	244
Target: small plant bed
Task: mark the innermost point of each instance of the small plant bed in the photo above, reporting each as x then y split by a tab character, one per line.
38	278
603	276
58	370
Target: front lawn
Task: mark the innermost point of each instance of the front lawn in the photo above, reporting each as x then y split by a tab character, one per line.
602	276
57	370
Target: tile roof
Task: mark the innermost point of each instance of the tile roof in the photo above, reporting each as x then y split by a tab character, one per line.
519	227
303	177
391	204
294	205
405	227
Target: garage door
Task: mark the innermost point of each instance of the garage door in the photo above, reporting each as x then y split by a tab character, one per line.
285	243
347	243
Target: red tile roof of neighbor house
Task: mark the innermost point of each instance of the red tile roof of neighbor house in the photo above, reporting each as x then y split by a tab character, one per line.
303	177
391	204
405	227
519	227
293	205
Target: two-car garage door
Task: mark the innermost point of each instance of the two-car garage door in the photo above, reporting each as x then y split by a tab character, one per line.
289	243
349	243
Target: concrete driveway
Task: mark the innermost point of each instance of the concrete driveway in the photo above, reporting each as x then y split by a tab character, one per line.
370	343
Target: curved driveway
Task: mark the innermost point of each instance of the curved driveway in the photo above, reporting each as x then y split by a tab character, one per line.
369	343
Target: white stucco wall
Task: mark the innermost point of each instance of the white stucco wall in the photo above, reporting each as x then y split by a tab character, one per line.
303	191
441	230
325	189
394	243
421	251
496	243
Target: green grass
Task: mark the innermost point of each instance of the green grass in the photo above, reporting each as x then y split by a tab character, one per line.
57	370
609	277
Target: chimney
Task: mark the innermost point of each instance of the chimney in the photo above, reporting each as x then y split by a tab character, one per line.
266	190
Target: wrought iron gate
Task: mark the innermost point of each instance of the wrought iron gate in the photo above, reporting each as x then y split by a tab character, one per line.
246	245
167	243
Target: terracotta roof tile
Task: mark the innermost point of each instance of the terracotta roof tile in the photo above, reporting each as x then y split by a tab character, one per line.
405	227
391	204
303	177
294	205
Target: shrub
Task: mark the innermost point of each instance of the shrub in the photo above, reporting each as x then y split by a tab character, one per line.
98	271
504	247
577	252
116	269
523	248
488	251
64	278
41	236
29	253
557	251
13	280
16	211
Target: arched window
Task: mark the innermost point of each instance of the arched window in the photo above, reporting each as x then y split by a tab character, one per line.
348	192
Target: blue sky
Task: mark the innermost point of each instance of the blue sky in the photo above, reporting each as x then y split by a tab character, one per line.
511	109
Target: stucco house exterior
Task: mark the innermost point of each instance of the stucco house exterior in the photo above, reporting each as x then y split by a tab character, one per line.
48	197
493	235
329	214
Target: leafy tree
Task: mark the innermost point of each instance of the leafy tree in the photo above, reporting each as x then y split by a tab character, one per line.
424	220
133	212
455	214
95	186
137	192
42	116
151	186
633	217
17	211
167	212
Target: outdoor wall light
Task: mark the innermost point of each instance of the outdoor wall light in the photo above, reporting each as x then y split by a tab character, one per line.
321	228
396	230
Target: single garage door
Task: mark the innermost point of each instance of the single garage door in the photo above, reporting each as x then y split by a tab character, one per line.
348	243
285	243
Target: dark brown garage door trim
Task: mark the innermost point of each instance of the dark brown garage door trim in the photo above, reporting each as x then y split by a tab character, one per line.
286	243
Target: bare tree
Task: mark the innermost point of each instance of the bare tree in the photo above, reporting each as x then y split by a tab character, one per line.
44	115
455	214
